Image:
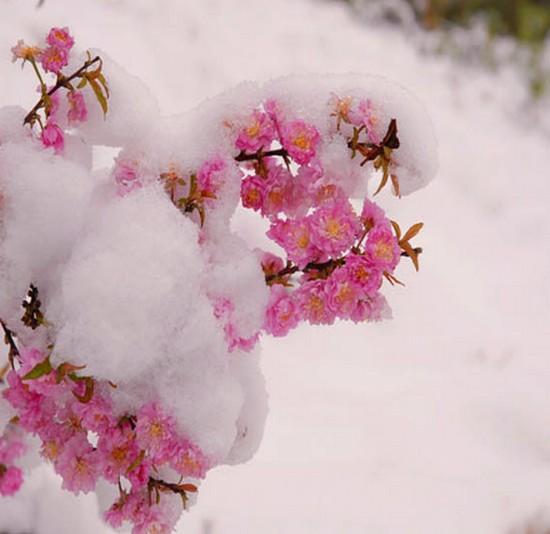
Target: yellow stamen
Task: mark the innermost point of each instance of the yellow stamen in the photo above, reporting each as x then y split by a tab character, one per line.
254	130
383	251
333	228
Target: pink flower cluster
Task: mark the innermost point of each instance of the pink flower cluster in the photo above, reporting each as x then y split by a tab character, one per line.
359	115
335	259
340	256
342	263
12	447
54	57
86	439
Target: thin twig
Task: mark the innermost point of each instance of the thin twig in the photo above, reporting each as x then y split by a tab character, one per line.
61	82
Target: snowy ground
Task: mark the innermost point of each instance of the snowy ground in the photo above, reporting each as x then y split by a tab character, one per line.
437	421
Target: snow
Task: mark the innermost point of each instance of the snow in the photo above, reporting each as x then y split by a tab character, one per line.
436	421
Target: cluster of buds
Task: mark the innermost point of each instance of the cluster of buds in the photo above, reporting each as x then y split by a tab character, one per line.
50	59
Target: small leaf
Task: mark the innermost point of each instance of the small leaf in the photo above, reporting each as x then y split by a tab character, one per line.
89	391
193	185
384	179
397	230
39	370
410	252
190	488
99	94
202	215
103	82
66	368
82	83
413	231
395	183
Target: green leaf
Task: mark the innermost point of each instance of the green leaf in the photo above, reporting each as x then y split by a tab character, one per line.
98	94
103	82
39	370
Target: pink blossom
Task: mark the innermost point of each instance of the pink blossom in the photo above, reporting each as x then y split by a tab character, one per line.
46	384
78	465
374	308
277	190
54	109
12	444
300	140
126	176
51	448
60	38
146	517
210	176
295	236
234	339
95	415
341	294
117	450
130	507
258	132
364	115
373	215
252	192
247	344
310	175
282	313
362	274
312	302
77	108
382	248
323	193
53	136
54	58
297	198
155	432
35	411
24	51
70	424
139	474
275	113
11	479
271	263
335	227
189	461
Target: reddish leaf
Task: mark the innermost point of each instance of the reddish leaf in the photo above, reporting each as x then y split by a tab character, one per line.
397	230
413	231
